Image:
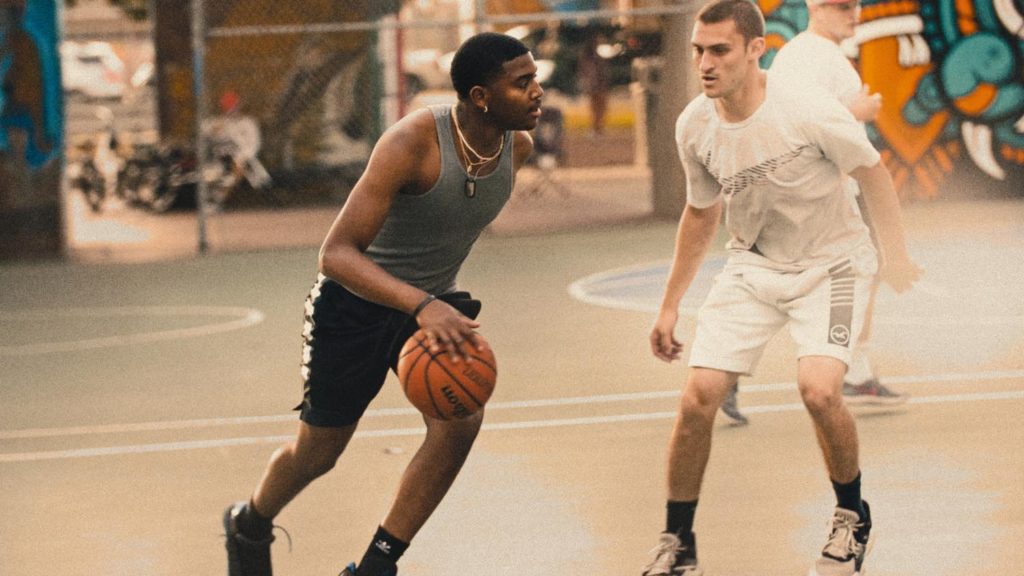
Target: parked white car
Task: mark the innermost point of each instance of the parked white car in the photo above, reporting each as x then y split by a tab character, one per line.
92	69
430	69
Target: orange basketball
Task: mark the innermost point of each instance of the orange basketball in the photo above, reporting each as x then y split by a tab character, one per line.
442	388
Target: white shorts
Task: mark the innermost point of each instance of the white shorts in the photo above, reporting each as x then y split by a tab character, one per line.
747	305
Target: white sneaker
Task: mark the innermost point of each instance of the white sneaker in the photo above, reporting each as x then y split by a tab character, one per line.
673	557
848	543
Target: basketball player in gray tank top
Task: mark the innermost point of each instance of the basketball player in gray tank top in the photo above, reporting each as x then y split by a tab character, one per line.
387	267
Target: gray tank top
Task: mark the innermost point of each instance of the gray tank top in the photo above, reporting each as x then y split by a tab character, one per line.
425	238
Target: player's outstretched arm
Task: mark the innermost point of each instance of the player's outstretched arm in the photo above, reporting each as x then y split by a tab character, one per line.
897	269
697	228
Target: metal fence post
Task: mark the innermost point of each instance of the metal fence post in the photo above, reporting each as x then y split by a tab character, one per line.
199	93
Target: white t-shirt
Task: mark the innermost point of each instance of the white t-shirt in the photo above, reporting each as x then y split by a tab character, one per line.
780	173
809	59
239	131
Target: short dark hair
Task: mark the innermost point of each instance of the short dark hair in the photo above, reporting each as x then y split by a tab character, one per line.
747	16
480	59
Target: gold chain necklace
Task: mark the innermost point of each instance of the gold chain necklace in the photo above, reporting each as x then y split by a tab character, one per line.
471	164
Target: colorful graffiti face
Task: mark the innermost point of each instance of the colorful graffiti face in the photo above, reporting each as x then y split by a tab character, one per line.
951	74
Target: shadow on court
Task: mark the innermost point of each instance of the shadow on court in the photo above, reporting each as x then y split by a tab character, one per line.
139	400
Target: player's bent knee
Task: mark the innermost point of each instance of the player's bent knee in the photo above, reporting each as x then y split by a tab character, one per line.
317	451
453	437
464	429
704	392
315	462
821	399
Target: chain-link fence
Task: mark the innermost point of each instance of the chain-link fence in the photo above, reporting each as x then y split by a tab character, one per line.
309	87
323	80
320	81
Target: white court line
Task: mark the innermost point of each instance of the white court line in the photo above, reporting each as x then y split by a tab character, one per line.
419	431
26	433
243	318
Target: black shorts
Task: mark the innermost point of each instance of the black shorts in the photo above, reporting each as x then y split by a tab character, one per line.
348	346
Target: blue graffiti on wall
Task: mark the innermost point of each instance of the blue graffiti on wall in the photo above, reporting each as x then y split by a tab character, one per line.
978	76
30	99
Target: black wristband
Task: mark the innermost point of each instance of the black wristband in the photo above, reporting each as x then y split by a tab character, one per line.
423	304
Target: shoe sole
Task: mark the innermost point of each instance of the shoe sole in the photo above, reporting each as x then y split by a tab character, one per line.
234	564
867	550
736	418
865	400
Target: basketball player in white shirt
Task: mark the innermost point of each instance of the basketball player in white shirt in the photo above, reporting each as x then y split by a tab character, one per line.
773	160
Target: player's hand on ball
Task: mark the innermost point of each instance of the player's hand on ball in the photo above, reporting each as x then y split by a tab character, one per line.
441	387
663	341
447	329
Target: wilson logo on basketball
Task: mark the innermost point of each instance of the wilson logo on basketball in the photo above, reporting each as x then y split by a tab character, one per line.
475	377
459	409
442	386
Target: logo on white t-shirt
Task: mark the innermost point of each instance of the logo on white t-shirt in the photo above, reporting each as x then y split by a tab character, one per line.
753	175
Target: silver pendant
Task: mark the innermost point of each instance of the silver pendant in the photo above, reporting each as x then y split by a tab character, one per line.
470	188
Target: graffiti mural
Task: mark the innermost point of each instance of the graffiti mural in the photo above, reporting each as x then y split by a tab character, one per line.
951	74
31	130
30	115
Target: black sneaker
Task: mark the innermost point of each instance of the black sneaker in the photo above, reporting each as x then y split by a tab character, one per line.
674	557
351	570
872	393
849	541
246	557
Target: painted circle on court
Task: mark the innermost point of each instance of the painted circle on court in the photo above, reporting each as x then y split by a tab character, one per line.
223	319
640	287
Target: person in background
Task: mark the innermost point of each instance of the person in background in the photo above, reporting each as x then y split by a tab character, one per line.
595	81
234	138
815	58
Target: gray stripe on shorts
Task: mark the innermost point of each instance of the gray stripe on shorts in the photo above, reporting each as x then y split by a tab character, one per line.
840	324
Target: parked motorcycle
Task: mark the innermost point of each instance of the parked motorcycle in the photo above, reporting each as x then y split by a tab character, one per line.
154	177
162	177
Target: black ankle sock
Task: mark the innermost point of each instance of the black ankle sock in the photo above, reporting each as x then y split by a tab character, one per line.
383	552
253	524
848	495
680	517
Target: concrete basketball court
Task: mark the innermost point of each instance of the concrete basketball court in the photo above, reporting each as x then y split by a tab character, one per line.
139	400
